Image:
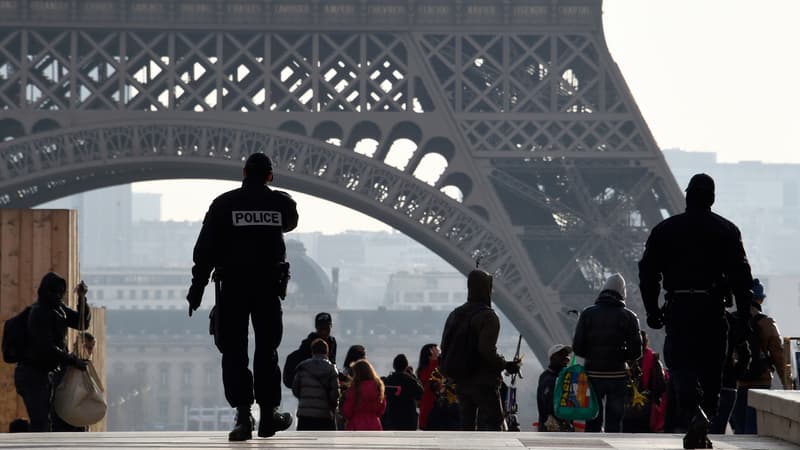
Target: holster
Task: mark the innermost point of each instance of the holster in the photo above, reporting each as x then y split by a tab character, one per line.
214	319
283	276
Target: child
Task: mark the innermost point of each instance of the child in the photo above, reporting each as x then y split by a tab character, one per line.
365	402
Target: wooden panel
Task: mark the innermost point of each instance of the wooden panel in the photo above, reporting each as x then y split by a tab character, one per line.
32	243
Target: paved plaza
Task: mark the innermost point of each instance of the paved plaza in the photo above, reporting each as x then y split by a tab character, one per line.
377	440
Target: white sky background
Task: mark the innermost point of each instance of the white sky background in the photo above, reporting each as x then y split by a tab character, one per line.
708	75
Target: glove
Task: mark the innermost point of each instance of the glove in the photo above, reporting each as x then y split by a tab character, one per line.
655	320
76	362
194	297
512	367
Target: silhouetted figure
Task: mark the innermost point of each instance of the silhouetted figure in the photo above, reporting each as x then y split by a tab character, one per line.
608	337
46	356
242	241
767	357
19	426
478	390
697	257
402	393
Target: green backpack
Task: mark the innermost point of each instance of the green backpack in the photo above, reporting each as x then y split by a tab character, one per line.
573	396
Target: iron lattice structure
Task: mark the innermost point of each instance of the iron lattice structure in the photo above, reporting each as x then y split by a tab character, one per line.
481	128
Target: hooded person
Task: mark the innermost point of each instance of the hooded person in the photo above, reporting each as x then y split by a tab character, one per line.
478	387
608	337
41	366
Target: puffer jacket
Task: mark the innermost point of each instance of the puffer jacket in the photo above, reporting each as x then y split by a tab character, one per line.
771	346
363	409
316	385
607	336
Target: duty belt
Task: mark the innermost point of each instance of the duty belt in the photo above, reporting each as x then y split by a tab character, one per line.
690	291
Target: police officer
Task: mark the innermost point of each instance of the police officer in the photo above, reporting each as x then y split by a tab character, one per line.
698	257
242	241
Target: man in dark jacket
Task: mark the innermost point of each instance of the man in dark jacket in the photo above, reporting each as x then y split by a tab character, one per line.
608	336
700	258
242	241
478	392
403	391
323	324
559	358
46	354
316	386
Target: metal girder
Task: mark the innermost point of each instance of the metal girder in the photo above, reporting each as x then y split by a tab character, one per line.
500	129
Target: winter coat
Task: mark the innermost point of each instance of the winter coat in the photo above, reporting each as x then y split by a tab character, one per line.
316	385
607	336
544	398
696	250
428	394
47	326
402	392
485	326
305	346
363	413
771	346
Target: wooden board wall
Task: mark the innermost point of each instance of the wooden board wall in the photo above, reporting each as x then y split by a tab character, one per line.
32	243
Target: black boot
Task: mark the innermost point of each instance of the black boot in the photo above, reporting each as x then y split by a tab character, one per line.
273	421
697	436
243	429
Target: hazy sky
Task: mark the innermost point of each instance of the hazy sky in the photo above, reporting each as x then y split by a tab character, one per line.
708	75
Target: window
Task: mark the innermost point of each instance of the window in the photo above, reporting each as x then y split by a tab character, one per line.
132	294
157	294
187	376
439	297
163	408
170	294
163	376
120	294
145	295
100	294
413	297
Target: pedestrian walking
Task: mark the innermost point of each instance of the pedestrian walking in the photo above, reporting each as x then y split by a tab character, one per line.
241	240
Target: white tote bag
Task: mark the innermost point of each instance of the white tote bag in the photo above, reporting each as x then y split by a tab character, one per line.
79	398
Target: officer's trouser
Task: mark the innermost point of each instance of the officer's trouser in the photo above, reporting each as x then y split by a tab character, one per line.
694	350
240	303
480	405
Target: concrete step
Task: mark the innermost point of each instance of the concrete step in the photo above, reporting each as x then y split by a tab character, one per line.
417	440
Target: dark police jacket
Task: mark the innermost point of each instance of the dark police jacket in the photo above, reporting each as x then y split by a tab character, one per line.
243	233
695	250
607	336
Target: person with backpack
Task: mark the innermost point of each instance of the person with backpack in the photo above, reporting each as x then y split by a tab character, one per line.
43	351
559	358
607	337
402	393
316	386
470	358
767	356
323	325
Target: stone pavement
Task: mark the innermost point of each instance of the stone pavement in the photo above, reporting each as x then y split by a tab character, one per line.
378	441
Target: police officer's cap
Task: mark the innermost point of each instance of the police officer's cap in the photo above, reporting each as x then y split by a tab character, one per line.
258	164
701	183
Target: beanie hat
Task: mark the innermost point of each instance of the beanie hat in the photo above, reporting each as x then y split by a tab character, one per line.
617	284
258	165
758	290
322	319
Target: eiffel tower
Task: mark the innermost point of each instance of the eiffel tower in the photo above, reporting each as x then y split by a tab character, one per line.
493	130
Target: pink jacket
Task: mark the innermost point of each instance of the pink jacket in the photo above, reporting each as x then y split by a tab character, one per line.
366	414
